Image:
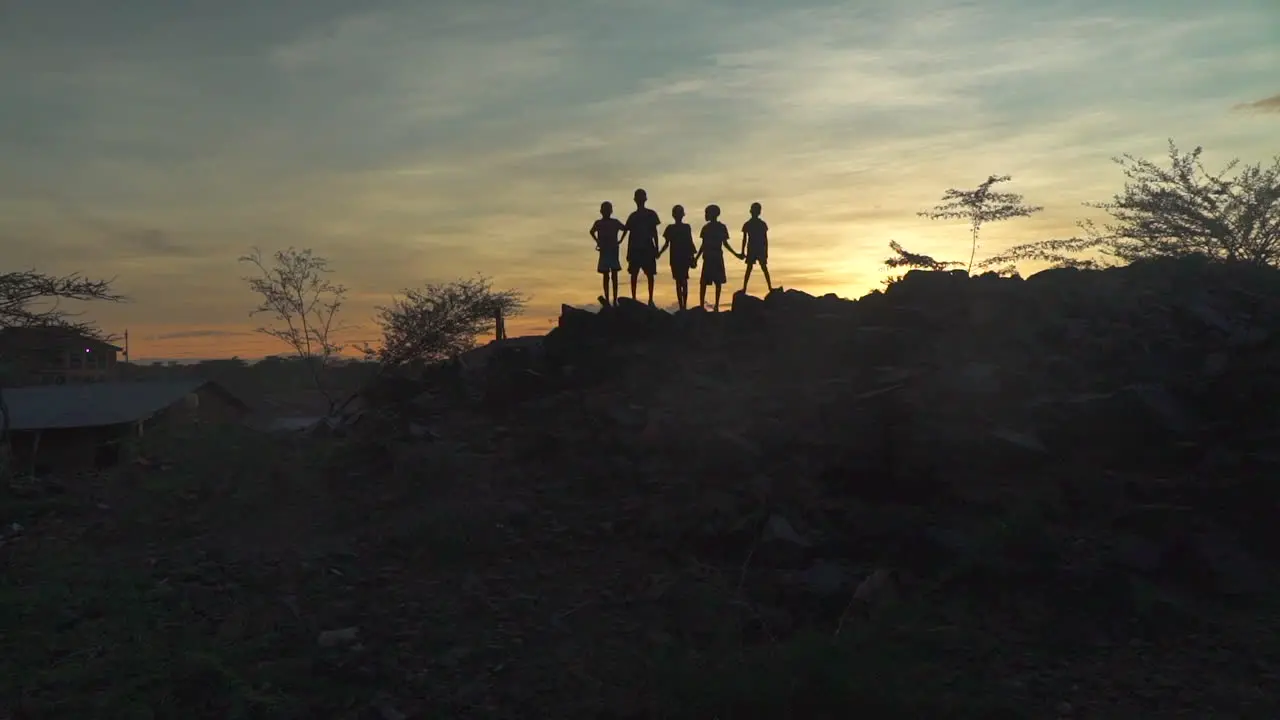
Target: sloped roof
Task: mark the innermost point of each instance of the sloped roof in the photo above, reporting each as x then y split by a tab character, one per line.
40	337
49	407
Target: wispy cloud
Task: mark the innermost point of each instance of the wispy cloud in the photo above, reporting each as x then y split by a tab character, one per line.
413	142
1265	105
190	334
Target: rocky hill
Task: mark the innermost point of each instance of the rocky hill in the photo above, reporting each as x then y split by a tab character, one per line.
1068	479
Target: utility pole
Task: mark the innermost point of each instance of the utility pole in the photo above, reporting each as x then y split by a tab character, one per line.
126	346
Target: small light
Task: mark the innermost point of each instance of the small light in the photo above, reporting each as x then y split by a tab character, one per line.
86	349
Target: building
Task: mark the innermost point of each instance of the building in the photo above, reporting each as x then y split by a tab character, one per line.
88	426
56	356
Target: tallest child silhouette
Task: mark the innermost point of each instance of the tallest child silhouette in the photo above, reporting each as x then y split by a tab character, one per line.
642	243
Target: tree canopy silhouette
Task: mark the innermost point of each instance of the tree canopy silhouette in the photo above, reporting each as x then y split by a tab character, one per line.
441	320
29	299
1174	211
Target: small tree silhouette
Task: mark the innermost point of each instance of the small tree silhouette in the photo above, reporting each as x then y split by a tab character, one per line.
980	206
296	291
440	321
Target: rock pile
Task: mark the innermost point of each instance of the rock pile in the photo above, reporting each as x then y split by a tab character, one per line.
1159	369
1084	436
1163	370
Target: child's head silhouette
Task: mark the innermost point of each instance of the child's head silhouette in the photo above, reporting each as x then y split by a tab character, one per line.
713	212
641	196
606	209
755	209
677	212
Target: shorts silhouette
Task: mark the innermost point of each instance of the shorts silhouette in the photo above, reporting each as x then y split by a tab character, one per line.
608	261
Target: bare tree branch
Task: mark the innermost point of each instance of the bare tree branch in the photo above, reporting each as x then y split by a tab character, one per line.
296	292
907	259
33	299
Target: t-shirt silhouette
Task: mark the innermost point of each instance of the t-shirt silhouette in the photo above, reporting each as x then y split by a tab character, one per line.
642	226
680	248
757	231
714	235
607	231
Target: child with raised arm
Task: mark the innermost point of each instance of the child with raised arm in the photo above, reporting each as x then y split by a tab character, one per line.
678	238
715	240
607	232
755	244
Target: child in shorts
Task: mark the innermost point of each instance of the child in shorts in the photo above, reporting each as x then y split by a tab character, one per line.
755	245
715	240
607	232
678	238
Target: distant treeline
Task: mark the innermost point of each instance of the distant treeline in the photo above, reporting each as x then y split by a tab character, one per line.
272	375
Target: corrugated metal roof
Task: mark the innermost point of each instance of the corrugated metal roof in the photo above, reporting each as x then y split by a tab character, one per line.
49	407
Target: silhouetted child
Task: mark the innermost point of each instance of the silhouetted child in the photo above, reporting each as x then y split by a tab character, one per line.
678	238
715	240
642	243
607	232
755	243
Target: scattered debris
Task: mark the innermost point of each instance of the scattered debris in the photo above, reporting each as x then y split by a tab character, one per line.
338	638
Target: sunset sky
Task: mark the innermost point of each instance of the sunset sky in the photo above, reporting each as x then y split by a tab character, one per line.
156	141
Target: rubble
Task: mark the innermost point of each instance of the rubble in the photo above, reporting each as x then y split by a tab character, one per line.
1071	432
939	382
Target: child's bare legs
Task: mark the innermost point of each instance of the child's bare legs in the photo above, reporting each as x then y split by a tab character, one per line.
747	278
650	279
682	294
764	268
635	275
702	294
718	286
604	286
614	277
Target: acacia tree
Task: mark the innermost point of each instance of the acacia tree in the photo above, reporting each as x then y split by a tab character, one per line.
440	321
296	291
980	206
1173	211
34	299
